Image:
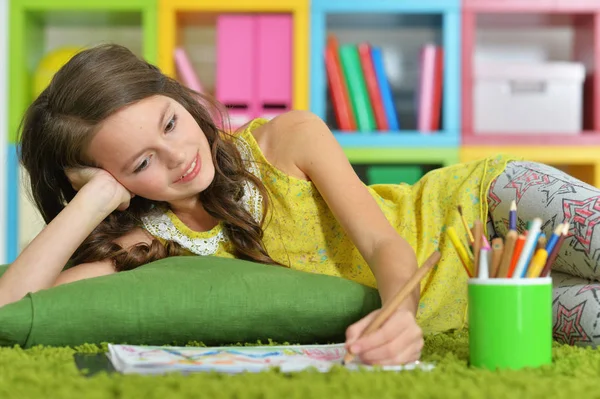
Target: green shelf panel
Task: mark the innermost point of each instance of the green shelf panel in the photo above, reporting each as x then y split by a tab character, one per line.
391	155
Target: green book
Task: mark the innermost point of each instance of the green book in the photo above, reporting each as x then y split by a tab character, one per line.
357	88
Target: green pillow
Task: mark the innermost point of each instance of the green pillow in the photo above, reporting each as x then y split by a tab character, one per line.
190	298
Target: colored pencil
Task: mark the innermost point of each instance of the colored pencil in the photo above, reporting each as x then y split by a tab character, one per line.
478	234
554	237
512	216
484	269
537	263
552	256
541	242
516	255
528	248
497	251
507	253
391	307
464	222
462	252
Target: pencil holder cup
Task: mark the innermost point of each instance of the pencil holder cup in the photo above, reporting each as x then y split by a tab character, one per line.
510	322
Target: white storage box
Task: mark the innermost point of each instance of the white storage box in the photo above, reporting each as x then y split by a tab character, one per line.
528	98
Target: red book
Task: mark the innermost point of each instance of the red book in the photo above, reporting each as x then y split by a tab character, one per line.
337	86
366	62
438	81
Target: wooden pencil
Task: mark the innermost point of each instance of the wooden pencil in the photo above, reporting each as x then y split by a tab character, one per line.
507	253
516	254
497	249
460	249
397	300
512	216
552	255
464	222
541	243
478	233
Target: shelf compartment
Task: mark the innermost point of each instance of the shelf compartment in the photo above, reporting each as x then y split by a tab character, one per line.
579	37
37	27
434	22
191	24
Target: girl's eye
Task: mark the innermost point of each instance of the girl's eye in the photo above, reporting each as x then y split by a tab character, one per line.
143	165
171	124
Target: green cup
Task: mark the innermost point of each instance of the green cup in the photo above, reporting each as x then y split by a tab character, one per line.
510	322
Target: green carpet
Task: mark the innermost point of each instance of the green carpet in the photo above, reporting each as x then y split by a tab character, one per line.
43	372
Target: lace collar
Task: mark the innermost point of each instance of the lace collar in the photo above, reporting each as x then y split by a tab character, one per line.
167	226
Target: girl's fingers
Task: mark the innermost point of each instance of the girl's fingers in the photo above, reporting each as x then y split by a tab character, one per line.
356	329
405	348
389	331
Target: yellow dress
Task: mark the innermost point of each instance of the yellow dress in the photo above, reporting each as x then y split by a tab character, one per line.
301	231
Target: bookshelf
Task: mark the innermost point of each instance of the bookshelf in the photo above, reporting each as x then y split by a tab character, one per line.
37	27
400	28
572	23
353	21
191	24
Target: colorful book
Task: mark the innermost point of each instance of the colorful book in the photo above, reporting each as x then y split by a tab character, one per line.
429	92
366	61
139	359
186	71
357	87
385	89
438	84
340	97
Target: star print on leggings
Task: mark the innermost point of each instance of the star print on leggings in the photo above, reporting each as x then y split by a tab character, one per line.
583	216
523	182
493	199
568	328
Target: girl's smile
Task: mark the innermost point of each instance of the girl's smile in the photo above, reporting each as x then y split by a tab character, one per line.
192	171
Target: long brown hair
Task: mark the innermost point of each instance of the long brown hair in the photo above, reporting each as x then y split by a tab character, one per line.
60	123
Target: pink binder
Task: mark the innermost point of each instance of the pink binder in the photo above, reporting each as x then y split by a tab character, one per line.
274	63
236	67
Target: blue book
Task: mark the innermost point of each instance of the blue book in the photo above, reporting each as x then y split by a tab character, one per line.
385	89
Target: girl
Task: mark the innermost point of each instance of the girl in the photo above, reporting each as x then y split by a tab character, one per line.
128	166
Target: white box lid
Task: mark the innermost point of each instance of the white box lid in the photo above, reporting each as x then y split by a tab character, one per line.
573	71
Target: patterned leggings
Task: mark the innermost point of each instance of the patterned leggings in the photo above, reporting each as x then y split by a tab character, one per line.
555	197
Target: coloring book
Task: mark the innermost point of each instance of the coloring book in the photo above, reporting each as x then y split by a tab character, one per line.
236	359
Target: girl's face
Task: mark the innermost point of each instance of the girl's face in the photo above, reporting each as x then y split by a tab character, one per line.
156	150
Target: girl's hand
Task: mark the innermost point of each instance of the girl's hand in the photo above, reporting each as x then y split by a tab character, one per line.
106	189
398	341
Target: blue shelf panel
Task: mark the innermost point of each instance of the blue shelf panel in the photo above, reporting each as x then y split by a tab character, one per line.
370	6
12	212
400	139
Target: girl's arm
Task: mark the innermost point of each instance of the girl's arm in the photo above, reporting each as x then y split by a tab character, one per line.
303	139
40	263
300	139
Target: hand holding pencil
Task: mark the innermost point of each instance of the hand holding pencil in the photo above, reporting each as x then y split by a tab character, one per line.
389	330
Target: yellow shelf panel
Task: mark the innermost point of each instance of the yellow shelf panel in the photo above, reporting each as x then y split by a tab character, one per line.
581	162
299	9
